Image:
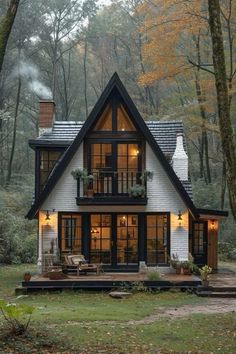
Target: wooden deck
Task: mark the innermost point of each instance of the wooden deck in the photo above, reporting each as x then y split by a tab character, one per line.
108	281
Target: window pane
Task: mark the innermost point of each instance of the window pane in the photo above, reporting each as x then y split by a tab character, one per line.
123	121
157	239
105	121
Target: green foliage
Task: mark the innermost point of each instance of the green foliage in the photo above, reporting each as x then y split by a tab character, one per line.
226	251
17	316
83	175
205	271
18	240
147	176
153	275
137	191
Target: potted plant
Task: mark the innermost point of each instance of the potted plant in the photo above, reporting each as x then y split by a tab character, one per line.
204	273
27	276
137	191
175	263
82	174
188	267
146	176
78	173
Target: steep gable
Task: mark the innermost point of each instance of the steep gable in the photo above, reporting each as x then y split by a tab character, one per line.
132	119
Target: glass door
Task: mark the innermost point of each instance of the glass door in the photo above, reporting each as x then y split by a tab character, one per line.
127	239
157	239
100	238
128	157
200	242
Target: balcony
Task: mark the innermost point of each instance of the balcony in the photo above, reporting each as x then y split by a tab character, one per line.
112	188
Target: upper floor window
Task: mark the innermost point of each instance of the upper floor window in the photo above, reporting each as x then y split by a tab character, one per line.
114	118
123	121
105	121
47	160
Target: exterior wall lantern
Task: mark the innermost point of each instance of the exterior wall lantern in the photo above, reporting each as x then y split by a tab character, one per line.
47	216
180	219
213	224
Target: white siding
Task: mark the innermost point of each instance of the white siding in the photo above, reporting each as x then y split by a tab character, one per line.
162	197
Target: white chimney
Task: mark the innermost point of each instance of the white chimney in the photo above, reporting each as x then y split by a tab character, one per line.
180	159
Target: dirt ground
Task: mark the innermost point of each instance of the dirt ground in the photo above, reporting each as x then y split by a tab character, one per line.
211	306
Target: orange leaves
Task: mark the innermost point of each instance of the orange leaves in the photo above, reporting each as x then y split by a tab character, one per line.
168	29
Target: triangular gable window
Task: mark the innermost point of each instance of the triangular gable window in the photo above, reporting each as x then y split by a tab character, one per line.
123	121
105	121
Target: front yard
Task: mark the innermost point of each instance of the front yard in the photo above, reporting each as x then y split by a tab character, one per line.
79	322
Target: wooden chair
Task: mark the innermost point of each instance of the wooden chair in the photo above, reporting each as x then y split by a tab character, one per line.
77	263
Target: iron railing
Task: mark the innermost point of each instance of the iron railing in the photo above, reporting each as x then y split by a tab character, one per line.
111	183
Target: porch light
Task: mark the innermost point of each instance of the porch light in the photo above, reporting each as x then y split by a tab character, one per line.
180	219
212	224
47	216
137	152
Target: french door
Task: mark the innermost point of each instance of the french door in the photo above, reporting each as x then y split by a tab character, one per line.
199	250
115	166
114	239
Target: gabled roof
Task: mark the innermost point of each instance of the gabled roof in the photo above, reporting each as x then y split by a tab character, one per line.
114	84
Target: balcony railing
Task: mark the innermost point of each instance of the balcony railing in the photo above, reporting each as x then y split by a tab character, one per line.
106	185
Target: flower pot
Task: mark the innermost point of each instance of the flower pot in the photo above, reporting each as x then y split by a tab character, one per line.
178	270
205	283
56	275
27	277
186	271
90	193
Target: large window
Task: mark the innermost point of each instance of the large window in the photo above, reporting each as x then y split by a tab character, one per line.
157	239
47	160
71	233
127	239
100	238
114	118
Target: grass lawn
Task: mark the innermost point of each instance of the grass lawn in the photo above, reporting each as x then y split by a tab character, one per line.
79	322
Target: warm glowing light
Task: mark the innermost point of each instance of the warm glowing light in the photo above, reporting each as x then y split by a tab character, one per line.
180	217
47	216
212	224
137	152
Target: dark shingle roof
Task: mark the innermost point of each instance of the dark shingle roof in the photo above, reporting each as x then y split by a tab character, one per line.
164	133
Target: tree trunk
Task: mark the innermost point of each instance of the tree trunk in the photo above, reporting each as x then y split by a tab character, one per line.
5	28
85	76
225	124
14	133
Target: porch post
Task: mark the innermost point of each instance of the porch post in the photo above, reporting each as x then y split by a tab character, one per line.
40	248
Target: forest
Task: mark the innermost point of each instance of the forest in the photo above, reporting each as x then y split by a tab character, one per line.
177	60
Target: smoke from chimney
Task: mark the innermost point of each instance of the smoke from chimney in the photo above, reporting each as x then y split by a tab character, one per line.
31	73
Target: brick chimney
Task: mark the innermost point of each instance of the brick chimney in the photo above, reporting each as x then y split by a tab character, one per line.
180	159
46	116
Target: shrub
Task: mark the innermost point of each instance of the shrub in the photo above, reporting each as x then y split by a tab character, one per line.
227	251
18	240
17	316
153	275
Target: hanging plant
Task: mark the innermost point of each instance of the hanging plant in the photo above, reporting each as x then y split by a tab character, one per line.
146	176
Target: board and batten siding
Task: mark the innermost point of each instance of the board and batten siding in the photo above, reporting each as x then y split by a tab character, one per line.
162	197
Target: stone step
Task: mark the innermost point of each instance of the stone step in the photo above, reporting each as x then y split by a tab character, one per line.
220	294
217	289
